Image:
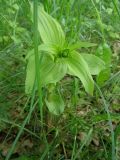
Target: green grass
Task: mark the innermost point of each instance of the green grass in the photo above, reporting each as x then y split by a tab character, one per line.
89	127
37	66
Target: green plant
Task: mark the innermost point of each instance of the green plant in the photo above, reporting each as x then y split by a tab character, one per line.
59	58
103	51
89	123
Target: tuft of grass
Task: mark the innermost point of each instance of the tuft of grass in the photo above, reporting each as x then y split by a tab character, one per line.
32	107
106	107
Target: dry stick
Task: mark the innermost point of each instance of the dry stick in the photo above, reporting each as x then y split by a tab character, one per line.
64	150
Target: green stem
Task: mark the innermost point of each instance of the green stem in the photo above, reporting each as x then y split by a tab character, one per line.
37	66
74	144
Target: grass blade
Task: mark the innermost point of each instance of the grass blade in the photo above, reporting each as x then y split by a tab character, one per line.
35	18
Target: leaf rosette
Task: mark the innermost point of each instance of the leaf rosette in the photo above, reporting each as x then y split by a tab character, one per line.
58	57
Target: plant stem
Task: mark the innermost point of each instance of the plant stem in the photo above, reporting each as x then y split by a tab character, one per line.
37	66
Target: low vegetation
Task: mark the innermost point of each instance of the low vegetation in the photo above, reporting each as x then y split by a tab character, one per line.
59	80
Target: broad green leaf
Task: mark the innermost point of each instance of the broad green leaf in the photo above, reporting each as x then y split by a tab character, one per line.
78	67
117	132
95	64
30	75
55	103
44	48
103	76
104	52
49	29
80	44
51	49
50	72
